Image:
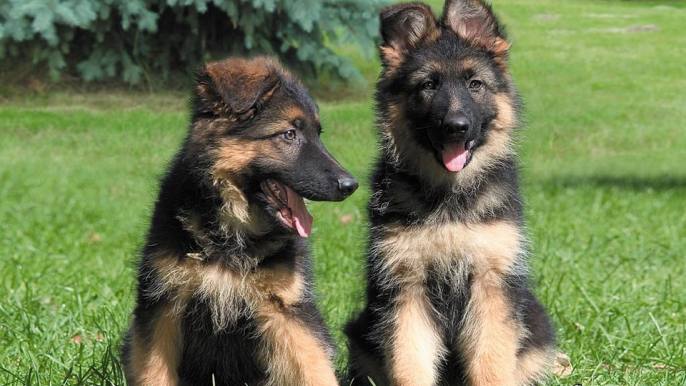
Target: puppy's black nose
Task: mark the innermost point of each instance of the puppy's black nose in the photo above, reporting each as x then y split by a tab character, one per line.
455	124
347	185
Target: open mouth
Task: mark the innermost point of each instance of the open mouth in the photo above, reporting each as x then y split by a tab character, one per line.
456	155
290	207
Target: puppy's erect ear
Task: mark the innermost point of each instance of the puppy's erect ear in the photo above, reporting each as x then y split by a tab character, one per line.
237	86
404	27
475	23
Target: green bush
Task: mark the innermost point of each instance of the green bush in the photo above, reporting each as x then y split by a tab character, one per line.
134	39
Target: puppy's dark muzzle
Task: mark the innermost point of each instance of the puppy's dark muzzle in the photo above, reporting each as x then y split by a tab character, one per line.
456	126
346	186
333	188
322	178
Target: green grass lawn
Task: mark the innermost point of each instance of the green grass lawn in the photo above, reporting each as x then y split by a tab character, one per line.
604	158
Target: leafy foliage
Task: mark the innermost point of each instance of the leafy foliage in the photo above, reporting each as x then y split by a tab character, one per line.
133	39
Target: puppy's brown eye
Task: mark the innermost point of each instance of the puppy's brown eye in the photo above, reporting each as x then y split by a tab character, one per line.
289	135
475	85
429	85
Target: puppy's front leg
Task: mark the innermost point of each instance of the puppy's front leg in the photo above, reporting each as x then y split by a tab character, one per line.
490	337
292	353
415	346
152	359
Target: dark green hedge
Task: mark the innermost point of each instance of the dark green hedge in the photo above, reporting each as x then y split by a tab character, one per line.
135	39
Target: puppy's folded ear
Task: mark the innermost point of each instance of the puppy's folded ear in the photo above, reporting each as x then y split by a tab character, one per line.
404	28
474	22
238	87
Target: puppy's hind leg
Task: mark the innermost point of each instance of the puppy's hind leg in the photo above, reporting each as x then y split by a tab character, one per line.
365	357
538	348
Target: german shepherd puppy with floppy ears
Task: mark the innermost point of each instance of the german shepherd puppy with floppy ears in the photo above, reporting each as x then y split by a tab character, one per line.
224	287
448	299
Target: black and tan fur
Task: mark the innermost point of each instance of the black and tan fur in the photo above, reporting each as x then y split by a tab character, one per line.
448	299
224	284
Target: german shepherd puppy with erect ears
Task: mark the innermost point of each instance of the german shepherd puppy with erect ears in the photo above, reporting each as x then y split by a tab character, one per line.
224	284
448	300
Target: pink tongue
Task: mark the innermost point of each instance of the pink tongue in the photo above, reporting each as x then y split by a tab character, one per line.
301	217
454	156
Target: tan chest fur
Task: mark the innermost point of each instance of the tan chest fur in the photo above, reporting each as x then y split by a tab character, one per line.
228	293
409	252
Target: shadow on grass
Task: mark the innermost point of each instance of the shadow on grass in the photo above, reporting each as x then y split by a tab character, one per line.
624	182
